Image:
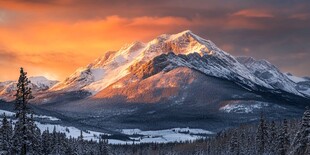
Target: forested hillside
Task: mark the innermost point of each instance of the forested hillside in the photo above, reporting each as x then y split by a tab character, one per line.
266	137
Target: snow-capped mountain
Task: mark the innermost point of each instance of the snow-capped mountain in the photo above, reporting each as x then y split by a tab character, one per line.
184	49
42	82
295	78
115	65
270	74
38	84
303	84
178	80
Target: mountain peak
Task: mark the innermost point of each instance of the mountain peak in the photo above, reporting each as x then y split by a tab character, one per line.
184	33
176	36
189	35
42	80
38	78
38	84
185	42
115	65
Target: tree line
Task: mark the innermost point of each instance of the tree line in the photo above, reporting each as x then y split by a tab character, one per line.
287	137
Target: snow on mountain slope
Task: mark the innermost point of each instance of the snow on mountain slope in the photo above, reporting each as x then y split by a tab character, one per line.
244	74
189	50
245	108
104	71
270	74
295	78
115	65
302	84
38	83
42	82
240	106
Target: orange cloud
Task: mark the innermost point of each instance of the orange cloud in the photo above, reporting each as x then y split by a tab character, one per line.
241	23
58	36
300	16
254	13
62	46
84	36
35	40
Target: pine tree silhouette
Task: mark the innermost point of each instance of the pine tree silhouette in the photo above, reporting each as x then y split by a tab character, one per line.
21	130
301	142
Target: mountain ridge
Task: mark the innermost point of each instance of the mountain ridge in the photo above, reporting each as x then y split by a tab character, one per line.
114	65
38	84
184	49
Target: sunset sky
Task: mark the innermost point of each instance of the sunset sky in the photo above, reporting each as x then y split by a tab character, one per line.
54	37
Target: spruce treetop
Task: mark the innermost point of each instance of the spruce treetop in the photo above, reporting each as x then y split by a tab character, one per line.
23	92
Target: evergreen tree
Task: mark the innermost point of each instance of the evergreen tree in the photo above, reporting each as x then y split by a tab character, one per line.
103	146
286	134
23	95
22	130
71	149
281	146
34	136
46	142
24	137
56	148
81	148
261	136
301	142
6	132
244	143
234	145
62	143
283	139
272	138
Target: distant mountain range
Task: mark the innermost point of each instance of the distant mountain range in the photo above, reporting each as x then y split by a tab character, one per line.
174	80
38	84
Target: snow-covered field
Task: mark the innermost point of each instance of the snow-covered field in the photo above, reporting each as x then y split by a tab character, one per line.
136	135
69	130
7	113
11	114
167	135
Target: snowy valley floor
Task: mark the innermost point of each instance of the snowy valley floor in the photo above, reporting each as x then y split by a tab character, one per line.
134	136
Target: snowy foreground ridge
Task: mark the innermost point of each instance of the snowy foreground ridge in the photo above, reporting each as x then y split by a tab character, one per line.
156	136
